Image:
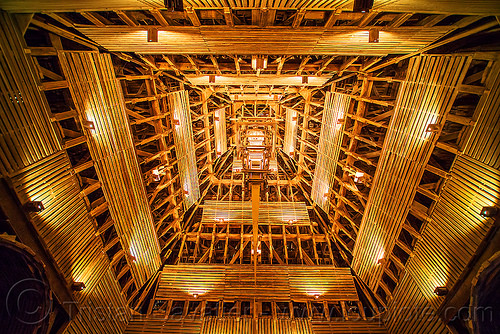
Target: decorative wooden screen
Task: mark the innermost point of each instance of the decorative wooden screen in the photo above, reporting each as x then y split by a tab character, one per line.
336	106
184	146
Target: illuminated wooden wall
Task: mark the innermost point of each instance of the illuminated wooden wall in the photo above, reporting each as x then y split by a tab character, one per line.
220	131
455	229
26	134
274	282
38	167
65	224
184	146
424	99
99	100
240	212
332	125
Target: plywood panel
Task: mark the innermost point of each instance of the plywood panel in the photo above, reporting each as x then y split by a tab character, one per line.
98	99
424	98
184	146
230	282
272	40
332	124
26	133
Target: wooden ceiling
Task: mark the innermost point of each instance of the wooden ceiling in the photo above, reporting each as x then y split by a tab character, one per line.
467	7
317	39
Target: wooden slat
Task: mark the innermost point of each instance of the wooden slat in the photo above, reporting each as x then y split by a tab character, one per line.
336	108
240	212
410	312
424	98
456	229
98	98
26	133
271	40
276	282
184	146
484	142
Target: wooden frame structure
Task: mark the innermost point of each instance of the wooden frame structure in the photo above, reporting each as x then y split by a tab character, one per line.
89	127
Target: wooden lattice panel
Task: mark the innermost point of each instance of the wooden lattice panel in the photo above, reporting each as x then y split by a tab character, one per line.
26	133
484	142
162	326
240	212
424	98
276	282
273	40
290	138
335	108
98	99
220	131
64	224
456	229
184	146
261	326
411	313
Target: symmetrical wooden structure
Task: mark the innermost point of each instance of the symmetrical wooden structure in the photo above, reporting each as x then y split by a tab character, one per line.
252	167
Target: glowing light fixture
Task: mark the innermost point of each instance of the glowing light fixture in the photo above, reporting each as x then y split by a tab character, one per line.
340	121
77	286
382	261
441	291
316	296
176	122
195	296
34	206
433	128
489	211
88	125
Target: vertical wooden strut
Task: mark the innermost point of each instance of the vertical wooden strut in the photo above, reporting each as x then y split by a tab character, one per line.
255	224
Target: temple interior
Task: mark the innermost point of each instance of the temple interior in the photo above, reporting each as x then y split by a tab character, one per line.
248	167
